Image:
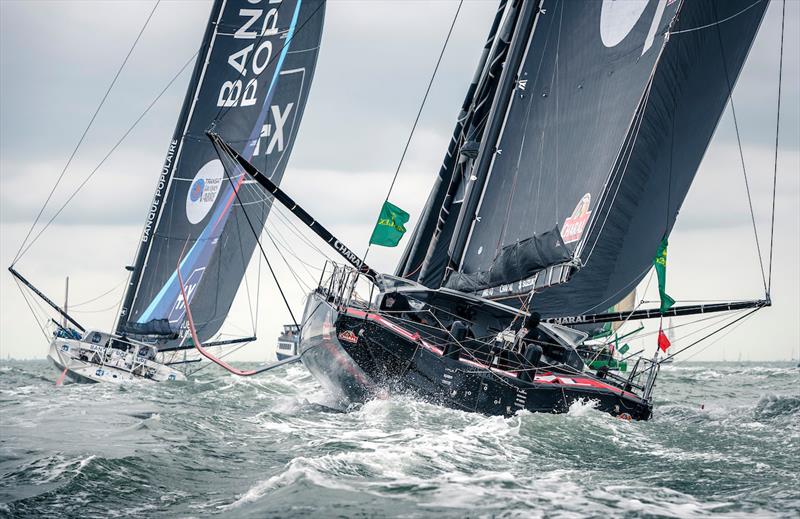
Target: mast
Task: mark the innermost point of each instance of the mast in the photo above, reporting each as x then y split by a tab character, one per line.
507	83
66	301
438	204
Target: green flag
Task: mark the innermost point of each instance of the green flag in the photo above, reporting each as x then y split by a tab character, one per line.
660	264
389	228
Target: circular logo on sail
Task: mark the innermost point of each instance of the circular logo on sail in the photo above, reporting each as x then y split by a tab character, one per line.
203	191
618	18
196	190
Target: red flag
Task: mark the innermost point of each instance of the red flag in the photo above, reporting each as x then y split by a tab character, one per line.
663	342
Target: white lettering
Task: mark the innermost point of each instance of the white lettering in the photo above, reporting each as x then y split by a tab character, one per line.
259	68
238	60
250	91
270	23
243	32
229	93
280	121
157	198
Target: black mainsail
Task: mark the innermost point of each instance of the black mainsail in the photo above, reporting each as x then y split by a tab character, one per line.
250	84
613	107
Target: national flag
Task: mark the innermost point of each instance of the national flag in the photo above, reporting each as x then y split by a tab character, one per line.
660	264
389	228
663	342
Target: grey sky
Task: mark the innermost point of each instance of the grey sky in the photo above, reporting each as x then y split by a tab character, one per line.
58	57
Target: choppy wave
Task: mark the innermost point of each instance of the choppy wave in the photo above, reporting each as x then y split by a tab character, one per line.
724	441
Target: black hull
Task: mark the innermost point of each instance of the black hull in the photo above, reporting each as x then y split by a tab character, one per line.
356	355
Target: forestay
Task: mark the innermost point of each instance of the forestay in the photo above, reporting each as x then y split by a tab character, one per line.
250	85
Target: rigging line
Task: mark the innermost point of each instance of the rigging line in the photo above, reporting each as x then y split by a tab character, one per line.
300	283
618	170
748	314
718	22
717	318
113	148
256	235
204	366
311	314
421	106
775	170
285	220
265	213
92	300
615	294
97	311
741	153
244	270
638	305
555	72
285	244
33	312
83	135
698	352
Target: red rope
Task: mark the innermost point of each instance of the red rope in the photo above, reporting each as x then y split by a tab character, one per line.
198	346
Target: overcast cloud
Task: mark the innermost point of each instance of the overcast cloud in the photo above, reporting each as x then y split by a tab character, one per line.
58	57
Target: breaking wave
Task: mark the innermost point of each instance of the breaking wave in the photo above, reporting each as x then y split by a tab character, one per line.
724	441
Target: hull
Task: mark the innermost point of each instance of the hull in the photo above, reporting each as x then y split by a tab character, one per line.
87	363
357	355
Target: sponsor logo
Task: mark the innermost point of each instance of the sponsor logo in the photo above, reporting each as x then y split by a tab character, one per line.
578	319
196	191
260	37
190	286
203	191
274	135
159	196
348	336
347	253
573	227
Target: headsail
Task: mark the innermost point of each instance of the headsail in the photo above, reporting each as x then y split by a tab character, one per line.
614	106
250	84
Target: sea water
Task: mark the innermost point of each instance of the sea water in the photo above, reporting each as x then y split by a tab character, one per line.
724	441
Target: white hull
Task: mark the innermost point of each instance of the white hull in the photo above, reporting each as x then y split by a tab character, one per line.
86	362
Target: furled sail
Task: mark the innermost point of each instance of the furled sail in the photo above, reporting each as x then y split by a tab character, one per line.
250	84
614	106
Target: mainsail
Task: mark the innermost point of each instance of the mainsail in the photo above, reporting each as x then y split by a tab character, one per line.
613	107
250	84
